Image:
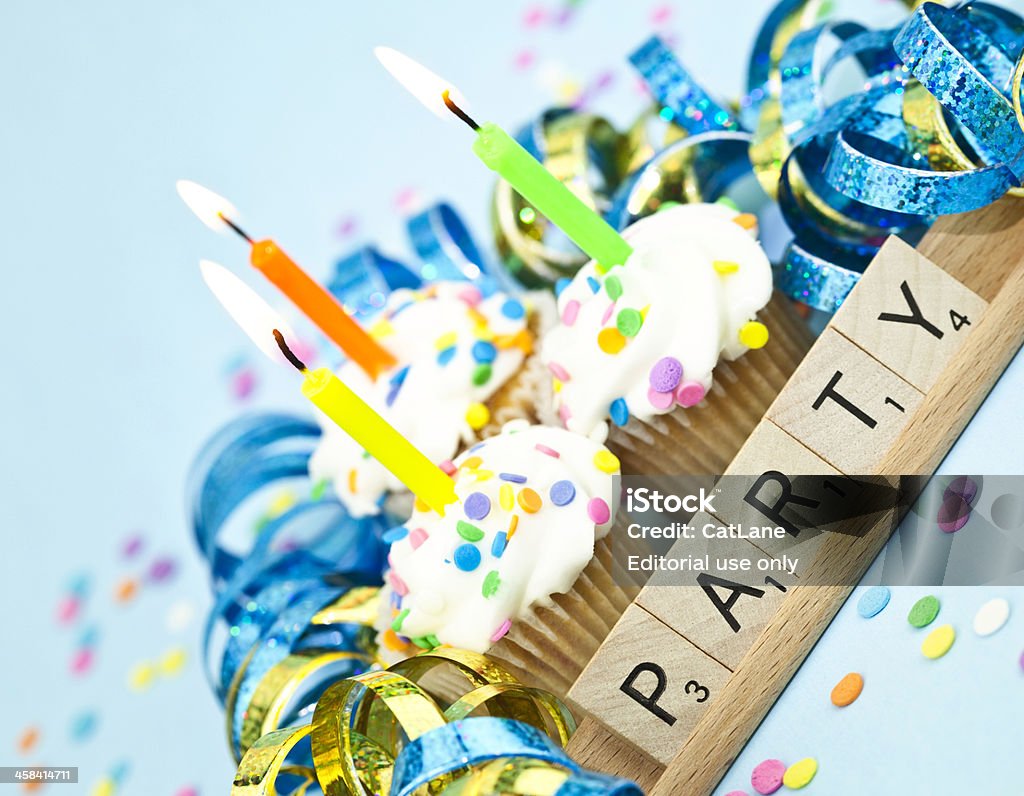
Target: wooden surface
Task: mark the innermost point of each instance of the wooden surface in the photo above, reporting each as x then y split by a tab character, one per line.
982	250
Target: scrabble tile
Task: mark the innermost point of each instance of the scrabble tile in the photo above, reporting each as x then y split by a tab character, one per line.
648	684
724	607
909	314
844	405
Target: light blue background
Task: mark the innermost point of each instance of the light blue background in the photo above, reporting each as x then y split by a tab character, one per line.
115	355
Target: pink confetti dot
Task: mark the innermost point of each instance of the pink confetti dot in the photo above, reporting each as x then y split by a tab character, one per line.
81	661
447	467
558	371
564	413
661	14
406	199
470	295
346	226
524	59
690	393
417	536
401	589
243	384
534	16
548	451
132	546
736	793
187	791
603	81
570	313
67	610
598	511
767	776
503	628
607	313
660	400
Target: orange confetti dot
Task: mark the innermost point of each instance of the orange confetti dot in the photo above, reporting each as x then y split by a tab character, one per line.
31	785
390	640
27	740
611	340
529	500
847	690
126	590
746	220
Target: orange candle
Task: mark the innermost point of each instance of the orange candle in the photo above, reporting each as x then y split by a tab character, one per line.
305	292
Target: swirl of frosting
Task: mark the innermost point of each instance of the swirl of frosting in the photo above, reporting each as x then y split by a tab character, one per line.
533	500
455	347
644	337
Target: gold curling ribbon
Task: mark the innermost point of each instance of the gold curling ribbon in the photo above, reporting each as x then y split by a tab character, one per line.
515	776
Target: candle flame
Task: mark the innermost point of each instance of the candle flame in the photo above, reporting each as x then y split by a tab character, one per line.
423	84
210	208
248	309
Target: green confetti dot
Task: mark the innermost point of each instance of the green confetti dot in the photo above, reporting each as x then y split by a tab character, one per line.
491	583
924	611
396	624
318	490
727	202
423	642
481	374
469	531
432	640
613	287
629	322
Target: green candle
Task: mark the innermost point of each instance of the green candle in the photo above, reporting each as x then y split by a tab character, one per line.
502	153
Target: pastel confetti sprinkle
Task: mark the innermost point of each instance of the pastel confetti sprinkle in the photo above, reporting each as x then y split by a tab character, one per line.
173	661
611	340
593	284
447	467
162	569
515	478
725	267
83	726
737	793
513	523
467	557
399	585
561	284
445	355
503	628
598	511
938	642
767	776
629	321
660	400
846	691
924	611
483	351
666	374
492	581
471	295
506	497
607	313
523	60
104	787
396	534
690	393
179	616
498	544
141	676
606	461
481	374
613	287
725	201
562	493
132	546
547	451
81	661
513	309
89	636
991	616
125	590
187	791
396	623
67	610
468	531
27	740
477	506
619	411
800	773
472	463
417	536
477	416
873	601
529	501
746	220
571	312
754	334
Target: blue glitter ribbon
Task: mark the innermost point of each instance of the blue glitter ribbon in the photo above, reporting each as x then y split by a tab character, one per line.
363	279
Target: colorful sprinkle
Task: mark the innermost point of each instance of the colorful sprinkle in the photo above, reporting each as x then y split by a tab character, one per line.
571	312
173	661
629	321
660	400
125	590
471	295
492	580
515	478
472	463
846	691
503	628
397	584
104	787
483	475
690	393
478	416
561	284
924	611
754	334
619	411
873	601
800	773
498	544
938	642
595	286
445	355
396	623
417	536
606	461
547	451
481	374
607	313
666	374
467	530
529	501
141	676
725	267
506	497
467	557
725	201
446	340
613	287
83	726
746	220
562	493
598	511
447	467
396	534
391	641
483	351
27	740
477	506
558	371
132	546
513	309
513	523
564	413
67	610
991	616
767	776
610	340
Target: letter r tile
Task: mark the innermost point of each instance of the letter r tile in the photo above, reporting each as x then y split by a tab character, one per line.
644	684
844	405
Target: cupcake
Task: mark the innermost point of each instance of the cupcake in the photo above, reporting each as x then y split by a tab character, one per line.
464	367
521	568
674	357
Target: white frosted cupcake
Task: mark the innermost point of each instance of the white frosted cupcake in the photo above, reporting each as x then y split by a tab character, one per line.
464	367
521	568
681	349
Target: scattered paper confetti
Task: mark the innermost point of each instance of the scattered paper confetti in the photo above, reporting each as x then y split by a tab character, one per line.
173	661
767	776
873	601
800	773
162	569
68	609
534	16
661	14
346	227
524	59
847	690
179	616
104	787
938	642
81	661
132	546
924	611
188	790
991	616
27	740
141	676
126	590
83	726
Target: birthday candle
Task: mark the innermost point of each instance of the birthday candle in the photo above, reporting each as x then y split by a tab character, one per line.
330	395
309	296
502	153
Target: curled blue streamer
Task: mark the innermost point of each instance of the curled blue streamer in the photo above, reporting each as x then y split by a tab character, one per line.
363	279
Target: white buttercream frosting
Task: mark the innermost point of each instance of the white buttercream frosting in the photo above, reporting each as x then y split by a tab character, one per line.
454	349
697	277
533	500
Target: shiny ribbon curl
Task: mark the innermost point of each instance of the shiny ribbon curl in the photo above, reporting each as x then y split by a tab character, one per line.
411	729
